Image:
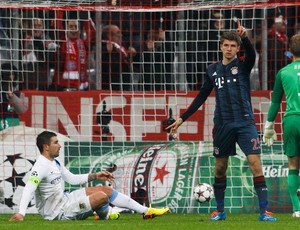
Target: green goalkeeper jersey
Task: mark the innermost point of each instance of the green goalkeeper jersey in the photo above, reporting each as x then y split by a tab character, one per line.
287	82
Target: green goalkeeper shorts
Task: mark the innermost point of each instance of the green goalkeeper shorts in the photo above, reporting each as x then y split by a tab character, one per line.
291	135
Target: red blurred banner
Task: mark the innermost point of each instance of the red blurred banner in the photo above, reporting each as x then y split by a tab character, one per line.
127	116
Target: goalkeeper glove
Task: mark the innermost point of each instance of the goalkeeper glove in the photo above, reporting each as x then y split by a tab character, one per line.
269	134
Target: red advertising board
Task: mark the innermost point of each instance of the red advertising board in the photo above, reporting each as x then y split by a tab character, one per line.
130	116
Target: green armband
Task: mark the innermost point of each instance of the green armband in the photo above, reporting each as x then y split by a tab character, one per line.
34	180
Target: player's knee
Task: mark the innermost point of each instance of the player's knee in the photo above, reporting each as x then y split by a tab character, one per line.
220	171
103	197
98	199
256	168
107	190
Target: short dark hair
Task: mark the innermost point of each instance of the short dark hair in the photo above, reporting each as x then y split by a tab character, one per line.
295	45
44	138
231	36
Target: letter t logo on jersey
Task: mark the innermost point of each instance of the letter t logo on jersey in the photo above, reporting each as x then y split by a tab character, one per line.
219	82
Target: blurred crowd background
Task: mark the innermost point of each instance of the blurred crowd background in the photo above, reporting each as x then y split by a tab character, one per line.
61	50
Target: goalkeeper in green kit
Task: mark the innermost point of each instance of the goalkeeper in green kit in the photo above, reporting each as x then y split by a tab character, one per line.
288	82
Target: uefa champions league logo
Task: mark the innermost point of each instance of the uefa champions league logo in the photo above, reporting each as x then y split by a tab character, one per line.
15	168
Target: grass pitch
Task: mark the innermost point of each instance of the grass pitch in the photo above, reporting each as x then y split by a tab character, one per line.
169	221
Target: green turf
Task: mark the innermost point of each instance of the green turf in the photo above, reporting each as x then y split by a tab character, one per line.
169	221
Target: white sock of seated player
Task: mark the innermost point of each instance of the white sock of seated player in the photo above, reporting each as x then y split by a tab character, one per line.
123	201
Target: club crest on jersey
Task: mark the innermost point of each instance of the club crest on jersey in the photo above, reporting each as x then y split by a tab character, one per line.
216	150
82	206
234	70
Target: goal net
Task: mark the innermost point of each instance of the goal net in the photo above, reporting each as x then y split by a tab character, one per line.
110	76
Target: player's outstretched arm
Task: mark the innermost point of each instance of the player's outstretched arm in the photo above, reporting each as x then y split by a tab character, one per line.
103	175
17	217
173	127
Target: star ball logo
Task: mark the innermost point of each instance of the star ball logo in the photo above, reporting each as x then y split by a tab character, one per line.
15	168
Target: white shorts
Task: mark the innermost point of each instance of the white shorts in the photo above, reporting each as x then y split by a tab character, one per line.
77	207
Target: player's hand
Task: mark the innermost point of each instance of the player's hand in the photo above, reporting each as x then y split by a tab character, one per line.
173	127
17	217
269	134
106	176
241	30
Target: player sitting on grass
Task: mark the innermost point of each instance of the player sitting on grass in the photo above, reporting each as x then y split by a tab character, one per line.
46	180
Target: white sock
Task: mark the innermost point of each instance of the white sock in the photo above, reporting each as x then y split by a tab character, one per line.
123	201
